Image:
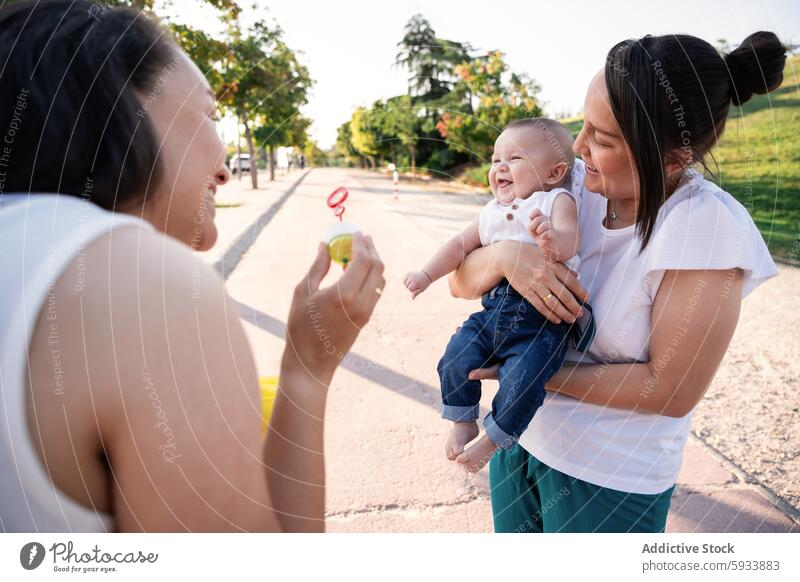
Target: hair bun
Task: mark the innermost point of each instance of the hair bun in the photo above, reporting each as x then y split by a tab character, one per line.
755	66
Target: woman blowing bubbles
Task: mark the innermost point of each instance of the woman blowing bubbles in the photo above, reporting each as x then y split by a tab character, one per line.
667	257
129	391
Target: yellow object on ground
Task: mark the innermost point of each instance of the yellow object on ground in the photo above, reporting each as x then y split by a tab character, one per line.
269	390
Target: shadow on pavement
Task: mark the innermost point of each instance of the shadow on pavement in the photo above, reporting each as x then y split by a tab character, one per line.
360	365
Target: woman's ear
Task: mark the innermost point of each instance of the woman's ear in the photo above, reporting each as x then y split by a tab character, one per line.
557	173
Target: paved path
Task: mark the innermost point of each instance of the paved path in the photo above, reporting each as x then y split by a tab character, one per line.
384	438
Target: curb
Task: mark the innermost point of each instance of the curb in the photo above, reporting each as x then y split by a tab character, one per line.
249	233
779	503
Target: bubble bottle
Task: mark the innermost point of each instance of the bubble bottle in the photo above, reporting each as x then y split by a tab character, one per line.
340	235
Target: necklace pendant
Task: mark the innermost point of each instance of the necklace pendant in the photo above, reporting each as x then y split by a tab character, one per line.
612	215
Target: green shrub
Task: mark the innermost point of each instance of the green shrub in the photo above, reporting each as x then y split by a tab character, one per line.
477	176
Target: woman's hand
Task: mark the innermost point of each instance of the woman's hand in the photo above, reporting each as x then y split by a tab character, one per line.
492	373
324	323
322	326
550	287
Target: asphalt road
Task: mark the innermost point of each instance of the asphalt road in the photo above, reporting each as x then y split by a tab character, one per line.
384	438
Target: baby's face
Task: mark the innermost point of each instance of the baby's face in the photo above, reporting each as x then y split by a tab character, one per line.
521	162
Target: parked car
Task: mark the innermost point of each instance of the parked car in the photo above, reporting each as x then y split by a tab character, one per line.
240	162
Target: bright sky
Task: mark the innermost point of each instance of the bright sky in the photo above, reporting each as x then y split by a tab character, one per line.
349	45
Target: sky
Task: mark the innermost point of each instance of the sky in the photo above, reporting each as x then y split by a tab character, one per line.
349	46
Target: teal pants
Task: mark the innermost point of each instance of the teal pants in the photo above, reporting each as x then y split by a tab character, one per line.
529	496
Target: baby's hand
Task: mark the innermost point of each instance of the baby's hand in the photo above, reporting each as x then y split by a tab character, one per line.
417	282
541	230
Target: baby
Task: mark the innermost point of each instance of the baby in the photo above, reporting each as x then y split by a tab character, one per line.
532	161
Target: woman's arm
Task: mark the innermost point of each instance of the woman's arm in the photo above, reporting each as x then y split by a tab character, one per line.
322	326
694	317
479	272
528	271
156	347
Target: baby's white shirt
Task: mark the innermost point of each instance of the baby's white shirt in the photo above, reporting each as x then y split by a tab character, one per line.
510	222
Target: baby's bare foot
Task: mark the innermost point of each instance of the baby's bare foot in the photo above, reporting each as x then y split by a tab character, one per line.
461	434
476	457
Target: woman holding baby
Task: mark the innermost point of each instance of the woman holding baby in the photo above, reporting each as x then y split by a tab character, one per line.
666	259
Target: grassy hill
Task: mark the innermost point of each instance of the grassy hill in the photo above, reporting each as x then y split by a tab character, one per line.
758	162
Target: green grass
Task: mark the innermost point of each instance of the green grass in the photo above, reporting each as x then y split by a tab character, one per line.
573	124
758	161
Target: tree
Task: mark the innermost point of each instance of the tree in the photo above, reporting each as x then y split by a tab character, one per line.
402	123
431	62
723	46
496	97
264	87
314	155
204	50
281	123
456	105
428	59
363	134
291	131
344	145
207	53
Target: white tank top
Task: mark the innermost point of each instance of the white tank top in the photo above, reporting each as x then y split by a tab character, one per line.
40	235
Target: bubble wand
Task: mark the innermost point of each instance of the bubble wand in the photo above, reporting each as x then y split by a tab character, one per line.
340	234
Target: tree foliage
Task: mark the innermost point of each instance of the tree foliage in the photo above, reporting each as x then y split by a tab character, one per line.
456	106
495	97
256	77
428	59
264	86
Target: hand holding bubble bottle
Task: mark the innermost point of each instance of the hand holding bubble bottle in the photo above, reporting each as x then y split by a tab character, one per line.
339	240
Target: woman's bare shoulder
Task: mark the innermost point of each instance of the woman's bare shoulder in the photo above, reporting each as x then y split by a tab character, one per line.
137	286
140	261
153	341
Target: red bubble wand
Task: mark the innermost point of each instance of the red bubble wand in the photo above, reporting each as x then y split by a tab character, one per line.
336	201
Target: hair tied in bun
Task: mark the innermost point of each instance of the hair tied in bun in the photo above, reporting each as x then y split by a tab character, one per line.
755	66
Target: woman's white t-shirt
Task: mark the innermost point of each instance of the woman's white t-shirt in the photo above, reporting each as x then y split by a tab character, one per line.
699	227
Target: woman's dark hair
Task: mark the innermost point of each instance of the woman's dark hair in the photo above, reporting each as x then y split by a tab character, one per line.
70	116
670	96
